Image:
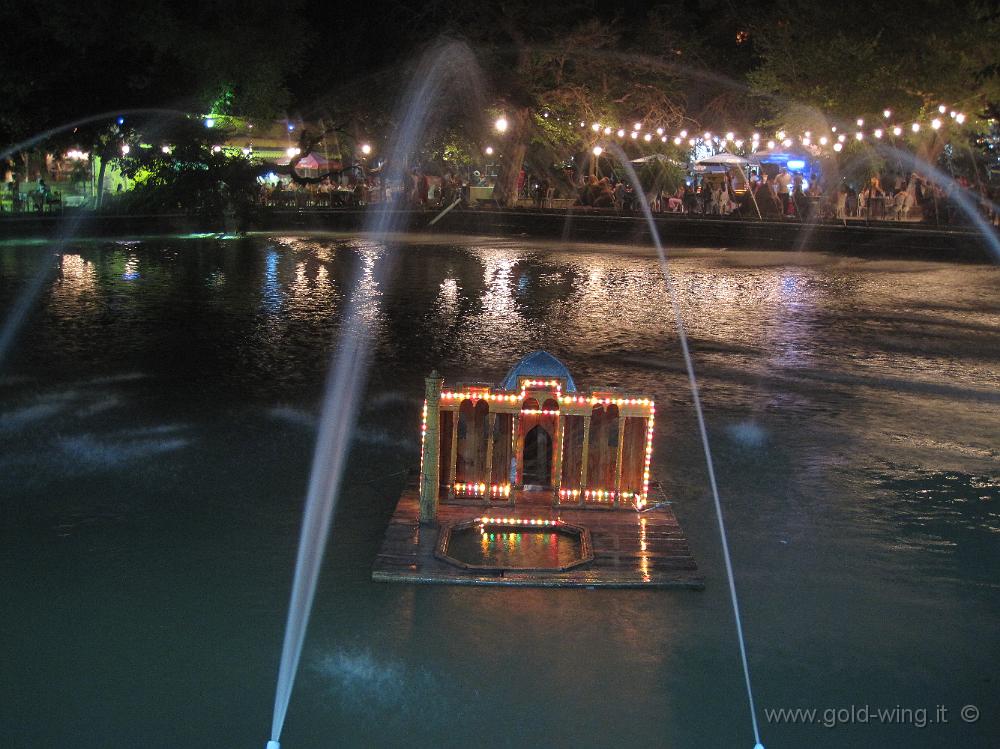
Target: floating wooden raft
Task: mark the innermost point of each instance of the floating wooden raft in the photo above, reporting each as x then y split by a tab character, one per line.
631	549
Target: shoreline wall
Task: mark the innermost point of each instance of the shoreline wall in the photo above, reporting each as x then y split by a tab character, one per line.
959	244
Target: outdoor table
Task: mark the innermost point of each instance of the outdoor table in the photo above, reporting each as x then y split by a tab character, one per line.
876	207
480	193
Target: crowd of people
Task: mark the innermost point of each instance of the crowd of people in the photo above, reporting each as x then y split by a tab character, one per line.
783	194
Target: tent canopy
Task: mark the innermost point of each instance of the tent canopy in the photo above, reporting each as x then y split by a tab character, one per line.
723	159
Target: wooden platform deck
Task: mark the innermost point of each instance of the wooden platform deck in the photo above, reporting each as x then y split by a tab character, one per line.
631	549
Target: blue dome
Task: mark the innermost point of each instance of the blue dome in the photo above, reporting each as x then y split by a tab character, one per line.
539	365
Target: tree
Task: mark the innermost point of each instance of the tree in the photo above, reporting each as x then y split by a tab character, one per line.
852	58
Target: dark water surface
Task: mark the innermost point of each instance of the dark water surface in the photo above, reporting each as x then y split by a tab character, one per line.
157	416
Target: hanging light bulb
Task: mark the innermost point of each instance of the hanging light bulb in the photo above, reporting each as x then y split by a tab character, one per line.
598	150
878	133
897	130
822	140
859	135
621	133
942	109
659	131
683	133
838	147
730	136
936	123
915	127
677	141
861	122
637	126
841	138
887	113
501	124
635	134
607	131
596	127
959	118
770	145
647	137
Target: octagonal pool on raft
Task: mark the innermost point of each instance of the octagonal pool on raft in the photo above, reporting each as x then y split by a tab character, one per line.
515	544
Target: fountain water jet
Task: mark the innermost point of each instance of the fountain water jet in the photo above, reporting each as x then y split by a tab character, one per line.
439	69
693	382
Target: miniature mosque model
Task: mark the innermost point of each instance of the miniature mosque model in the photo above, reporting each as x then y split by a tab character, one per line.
534	436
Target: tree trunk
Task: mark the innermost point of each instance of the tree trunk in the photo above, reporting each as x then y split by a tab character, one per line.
518	137
99	190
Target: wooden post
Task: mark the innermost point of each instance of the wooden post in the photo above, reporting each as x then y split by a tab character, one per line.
430	477
492	419
618	457
557	459
453	465
583	461
518	444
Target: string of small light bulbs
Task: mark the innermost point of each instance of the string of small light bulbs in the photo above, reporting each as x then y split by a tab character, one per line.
835	138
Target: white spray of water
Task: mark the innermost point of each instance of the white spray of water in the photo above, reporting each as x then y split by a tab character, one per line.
693	382
438	70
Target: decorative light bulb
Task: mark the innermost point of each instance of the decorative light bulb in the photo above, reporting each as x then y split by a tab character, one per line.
878	133
621	133
598	150
936	123
959	118
915	127
596	127
770	145
838	146
501	124
861	122
897	130
822	140
637	126
887	113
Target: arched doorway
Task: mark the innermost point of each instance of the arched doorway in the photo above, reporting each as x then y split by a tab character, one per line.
537	458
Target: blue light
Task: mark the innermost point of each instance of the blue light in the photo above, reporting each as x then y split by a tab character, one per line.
290	127
121	120
796	164
209	122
